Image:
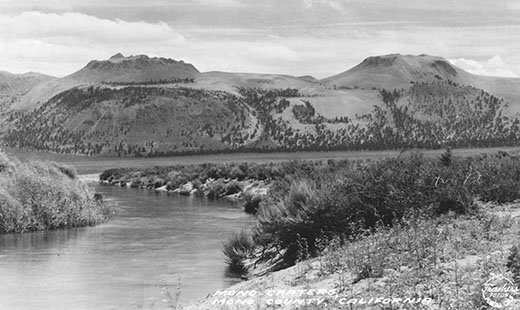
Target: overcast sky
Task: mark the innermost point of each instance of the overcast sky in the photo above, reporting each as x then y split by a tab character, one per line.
297	37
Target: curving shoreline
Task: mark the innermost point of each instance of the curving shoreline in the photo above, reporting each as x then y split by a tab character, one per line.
246	182
236	190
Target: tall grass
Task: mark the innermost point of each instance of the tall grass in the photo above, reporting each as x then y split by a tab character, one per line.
43	196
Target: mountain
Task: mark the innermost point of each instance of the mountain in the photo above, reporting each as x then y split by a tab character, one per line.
397	71
309	78
231	82
142	106
141	69
116	70
15	86
134	69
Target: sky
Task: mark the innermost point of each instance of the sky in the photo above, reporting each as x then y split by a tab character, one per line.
296	37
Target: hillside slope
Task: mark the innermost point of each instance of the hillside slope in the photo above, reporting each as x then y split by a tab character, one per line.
396	71
15	86
133	120
155	106
116	70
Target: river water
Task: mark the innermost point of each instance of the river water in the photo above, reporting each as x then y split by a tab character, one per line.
157	251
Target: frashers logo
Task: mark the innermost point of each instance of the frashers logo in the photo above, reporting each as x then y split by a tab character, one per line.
500	292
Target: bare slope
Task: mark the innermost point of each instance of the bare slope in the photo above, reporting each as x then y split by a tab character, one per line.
15	86
230	82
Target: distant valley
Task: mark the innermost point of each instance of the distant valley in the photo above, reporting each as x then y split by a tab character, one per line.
144	106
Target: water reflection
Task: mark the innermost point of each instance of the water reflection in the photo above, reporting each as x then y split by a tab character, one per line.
38	240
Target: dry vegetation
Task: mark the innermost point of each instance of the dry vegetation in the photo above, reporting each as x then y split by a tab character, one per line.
42	196
446	259
406	227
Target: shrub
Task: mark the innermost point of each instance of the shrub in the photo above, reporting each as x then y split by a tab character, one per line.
158	183
233	187
251	203
239	248
216	189
98	197
513	264
498	178
353	200
446	158
67	170
38	196
12	215
237	173
455	198
115	173
280	225
176	179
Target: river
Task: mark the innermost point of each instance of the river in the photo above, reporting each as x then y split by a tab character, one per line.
155	248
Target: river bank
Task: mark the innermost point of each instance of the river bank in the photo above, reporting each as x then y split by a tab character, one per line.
440	263
90	164
433	254
431	232
246	182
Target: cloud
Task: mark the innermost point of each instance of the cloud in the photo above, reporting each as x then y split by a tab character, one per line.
220	3
266	56
305	43
74	25
494	66
513	5
50	40
336	5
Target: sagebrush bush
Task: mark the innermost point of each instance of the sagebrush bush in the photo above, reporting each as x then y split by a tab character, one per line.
67	170
237	249
446	158
42	196
281	224
347	202
498	178
251	203
180	174
513	264
233	187
216	189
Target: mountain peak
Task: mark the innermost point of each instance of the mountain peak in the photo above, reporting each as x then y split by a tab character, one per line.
117	56
397	71
384	61
135	68
391	59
